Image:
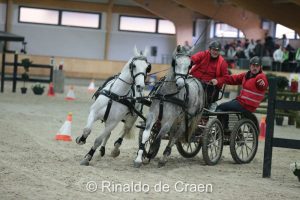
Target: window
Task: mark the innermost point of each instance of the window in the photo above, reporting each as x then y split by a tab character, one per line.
241	34
265	24
147	25
225	30
280	30
89	20
40	16
59	17
166	26
138	24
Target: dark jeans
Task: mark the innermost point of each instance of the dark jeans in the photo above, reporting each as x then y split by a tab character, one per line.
212	93
233	105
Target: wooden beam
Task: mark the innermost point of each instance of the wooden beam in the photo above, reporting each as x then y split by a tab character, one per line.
108	28
285	14
248	22
132	11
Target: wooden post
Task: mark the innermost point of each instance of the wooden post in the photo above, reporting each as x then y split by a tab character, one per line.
3	67
108	28
270	129
15	72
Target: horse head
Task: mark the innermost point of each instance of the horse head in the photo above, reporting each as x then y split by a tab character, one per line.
181	64
139	67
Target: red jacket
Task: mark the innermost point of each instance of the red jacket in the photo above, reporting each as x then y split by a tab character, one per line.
207	68
252	93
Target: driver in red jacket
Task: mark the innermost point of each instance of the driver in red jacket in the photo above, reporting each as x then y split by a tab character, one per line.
209	65
254	84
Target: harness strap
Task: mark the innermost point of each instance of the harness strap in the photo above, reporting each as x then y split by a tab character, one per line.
161	110
107	110
122	100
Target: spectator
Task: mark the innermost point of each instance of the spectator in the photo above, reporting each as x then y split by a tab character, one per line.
278	58
284	41
230	56
297	58
259	49
186	46
249	51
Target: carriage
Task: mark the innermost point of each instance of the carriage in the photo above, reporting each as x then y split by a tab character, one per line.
242	138
186	123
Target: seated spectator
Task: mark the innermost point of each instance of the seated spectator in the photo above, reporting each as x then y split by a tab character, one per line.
278	58
285	62
249	50
186	46
240	53
297	58
230	56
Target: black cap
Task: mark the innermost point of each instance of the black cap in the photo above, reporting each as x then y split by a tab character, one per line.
215	45
255	61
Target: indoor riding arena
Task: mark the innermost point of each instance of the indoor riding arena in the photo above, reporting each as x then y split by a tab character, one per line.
125	99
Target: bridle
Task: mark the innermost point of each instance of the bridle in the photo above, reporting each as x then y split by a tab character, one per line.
132	66
174	64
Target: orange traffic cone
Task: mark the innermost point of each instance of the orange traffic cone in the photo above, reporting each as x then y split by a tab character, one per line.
64	132
51	90
71	94
262	128
92	87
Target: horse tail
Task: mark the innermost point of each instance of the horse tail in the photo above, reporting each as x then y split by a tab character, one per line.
130	133
193	125
129	123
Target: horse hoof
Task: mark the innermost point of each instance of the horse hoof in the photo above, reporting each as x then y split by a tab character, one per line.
85	162
137	164
102	151
80	140
115	153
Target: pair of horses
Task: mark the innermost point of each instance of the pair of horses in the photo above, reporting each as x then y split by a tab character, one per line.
177	104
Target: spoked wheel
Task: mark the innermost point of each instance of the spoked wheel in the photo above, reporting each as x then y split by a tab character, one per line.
244	141
192	148
152	144
212	142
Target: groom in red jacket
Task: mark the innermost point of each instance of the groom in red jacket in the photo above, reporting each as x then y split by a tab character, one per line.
254	84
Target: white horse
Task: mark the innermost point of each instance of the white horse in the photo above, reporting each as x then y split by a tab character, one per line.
112	105
176	106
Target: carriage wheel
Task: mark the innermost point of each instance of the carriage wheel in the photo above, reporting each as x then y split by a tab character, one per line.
152	144
244	141
212	142
191	149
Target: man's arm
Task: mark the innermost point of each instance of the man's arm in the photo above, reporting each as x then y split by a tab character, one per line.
235	79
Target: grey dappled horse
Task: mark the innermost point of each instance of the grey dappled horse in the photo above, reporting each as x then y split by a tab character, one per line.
112	105
181	96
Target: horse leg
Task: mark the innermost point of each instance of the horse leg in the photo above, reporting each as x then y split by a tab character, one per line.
107	130
102	148
167	152
126	131
88	128
146	134
116	151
